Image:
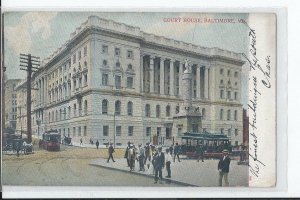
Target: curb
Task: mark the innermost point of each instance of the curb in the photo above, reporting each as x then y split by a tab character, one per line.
145	175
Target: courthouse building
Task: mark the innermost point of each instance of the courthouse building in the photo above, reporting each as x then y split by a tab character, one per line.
114	80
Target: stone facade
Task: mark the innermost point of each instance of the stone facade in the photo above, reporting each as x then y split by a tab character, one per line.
110	75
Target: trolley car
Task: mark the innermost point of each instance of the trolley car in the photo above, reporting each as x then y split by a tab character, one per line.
50	141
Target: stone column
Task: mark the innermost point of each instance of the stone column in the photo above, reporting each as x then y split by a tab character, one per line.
151	74
172	77
180	77
206	82
142	89
198	81
162	76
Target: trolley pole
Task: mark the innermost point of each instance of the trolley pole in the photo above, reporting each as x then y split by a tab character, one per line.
30	64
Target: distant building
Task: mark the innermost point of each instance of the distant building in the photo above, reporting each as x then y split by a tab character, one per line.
11	103
112	79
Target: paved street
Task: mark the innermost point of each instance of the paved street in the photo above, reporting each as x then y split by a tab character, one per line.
188	171
69	167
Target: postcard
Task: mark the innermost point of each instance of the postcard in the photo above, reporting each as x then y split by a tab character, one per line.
153	99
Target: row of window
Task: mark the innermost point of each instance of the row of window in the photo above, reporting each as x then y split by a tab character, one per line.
228	83
228	72
235	116
129	53
222	96
79	54
147	109
236	132
118	81
118	131
77	131
63	114
14	109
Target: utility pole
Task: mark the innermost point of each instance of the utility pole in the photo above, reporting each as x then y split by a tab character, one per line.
30	64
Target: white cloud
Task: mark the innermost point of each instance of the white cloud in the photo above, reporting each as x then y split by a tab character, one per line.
19	37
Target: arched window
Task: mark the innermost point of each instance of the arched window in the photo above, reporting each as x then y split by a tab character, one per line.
49	117
221	114
52	116
157	110
60	112
228	114
85	107
168	109
235	115
118	107
56	115
147	110
203	113
104	106
129	108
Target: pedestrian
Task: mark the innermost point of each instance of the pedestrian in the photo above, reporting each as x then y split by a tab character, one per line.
111	150
159	164
126	154
141	157
131	157
97	144
223	167
199	153
81	142
168	162
147	153
176	152
171	150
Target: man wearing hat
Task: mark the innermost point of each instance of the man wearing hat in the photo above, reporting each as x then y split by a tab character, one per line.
110	153
159	163
223	168
126	154
141	157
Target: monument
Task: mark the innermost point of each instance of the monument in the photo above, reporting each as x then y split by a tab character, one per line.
188	119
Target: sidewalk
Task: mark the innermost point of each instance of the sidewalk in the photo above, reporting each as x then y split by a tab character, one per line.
187	172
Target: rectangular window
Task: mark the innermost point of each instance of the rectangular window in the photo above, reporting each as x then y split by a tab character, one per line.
235	74
74	58
148	131
104	49
85	51
79	130
221	71
229	132
130	54
117	51
228	94
105	130
118	82
195	128
235	95
118	130
79	55
104	79
129	82
84	131
236	132
130	130
74	131
222	94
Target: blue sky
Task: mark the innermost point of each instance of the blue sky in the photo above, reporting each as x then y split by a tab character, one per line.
41	33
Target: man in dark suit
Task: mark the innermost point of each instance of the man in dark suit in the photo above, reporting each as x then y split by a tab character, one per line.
110	153
223	168
159	164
